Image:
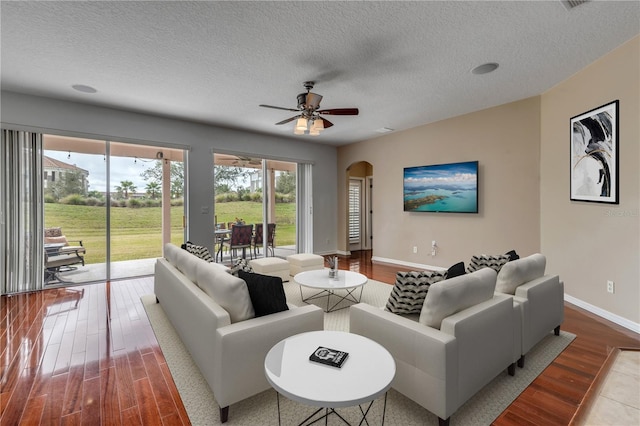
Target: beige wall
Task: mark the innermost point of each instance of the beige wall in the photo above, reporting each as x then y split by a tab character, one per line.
590	243
505	140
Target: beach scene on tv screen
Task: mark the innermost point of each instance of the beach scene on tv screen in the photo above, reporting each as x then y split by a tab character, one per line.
449	188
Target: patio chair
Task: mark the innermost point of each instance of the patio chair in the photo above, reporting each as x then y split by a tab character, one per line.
241	236
57	261
55	236
258	240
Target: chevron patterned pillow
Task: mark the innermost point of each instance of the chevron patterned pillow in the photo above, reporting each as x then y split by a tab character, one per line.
201	251
410	290
494	262
240	265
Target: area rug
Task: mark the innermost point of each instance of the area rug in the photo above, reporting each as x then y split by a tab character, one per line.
261	409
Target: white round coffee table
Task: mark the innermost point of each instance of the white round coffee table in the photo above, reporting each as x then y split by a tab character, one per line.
347	281
364	376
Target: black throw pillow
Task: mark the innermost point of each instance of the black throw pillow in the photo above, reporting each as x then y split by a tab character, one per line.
266	293
512	255
456	270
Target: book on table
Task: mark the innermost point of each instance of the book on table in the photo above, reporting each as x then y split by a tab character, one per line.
328	356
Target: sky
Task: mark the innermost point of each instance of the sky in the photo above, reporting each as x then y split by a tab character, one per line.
122	168
455	173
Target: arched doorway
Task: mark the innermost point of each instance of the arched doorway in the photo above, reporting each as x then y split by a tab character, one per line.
359	207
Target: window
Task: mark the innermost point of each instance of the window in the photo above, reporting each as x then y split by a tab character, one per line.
355	191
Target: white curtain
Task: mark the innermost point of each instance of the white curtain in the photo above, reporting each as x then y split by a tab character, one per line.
304	195
21	212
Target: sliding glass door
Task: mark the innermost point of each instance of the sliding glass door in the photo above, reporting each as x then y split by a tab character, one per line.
75	209
256	191
117	202
147	206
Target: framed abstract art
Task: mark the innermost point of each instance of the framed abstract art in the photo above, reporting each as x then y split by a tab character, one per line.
594	155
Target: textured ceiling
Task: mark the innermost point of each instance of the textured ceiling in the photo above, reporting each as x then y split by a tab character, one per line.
403	64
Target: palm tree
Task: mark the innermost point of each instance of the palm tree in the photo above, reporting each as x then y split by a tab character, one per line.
153	190
125	187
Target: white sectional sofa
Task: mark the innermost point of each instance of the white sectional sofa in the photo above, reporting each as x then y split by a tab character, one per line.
226	342
464	337
538	298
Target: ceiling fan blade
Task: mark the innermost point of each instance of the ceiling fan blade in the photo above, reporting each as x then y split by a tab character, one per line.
327	123
288	120
339	111
276	107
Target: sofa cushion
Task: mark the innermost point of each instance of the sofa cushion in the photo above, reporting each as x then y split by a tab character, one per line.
456	270
447	297
266	292
56	240
170	253
240	265
494	262
517	272
188	264
228	291
410	289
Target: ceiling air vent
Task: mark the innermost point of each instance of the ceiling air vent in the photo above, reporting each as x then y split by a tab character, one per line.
570	4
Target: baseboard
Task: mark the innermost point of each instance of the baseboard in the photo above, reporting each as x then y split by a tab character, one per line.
407	264
635	327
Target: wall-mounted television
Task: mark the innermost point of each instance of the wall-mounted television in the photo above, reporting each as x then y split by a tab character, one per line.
446	188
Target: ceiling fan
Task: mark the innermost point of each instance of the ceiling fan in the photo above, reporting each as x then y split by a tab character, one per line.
309	115
244	161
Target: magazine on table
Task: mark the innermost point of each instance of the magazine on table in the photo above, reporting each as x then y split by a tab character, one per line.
328	356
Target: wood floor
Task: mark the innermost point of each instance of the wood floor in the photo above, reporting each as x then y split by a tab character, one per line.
88	355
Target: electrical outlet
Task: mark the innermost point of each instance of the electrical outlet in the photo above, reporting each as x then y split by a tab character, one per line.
415	249
433	243
610	286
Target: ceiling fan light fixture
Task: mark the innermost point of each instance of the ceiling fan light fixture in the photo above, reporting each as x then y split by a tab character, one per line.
301	124
318	124
314	132
297	131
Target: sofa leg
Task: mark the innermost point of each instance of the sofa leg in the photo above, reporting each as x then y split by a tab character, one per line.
521	362
443	422
556	331
224	414
512	369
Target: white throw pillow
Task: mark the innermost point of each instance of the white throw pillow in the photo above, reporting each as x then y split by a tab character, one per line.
447	297
517	272
226	290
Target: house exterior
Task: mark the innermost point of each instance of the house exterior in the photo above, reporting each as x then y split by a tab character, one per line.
54	170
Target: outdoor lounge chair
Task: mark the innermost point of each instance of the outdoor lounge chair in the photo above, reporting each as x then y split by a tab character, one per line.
56	261
55	236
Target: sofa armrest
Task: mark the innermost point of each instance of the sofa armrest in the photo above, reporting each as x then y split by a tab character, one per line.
240	350
426	358
193	314
544	310
485	333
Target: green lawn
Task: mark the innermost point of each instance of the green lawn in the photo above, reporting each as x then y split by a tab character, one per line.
136	233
